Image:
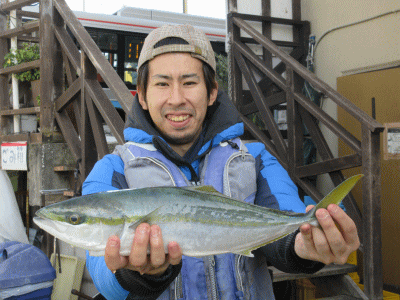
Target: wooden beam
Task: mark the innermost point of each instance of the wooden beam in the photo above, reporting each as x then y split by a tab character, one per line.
24	28
28	39
274	99
106	109
21	68
69	133
294	122
328	270
68	96
372	213
273	20
95	118
16	5
29	14
31	138
328	121
5	123
323	167
21	111
51	67
69	47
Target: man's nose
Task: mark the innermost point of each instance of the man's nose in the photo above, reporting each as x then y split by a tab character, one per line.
177	95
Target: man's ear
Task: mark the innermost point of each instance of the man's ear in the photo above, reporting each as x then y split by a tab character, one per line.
213	95
142	99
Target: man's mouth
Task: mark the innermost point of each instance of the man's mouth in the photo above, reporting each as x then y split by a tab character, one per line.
180	118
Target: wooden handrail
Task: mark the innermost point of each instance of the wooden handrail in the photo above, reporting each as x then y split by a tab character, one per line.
28	27
352	109
16	5
21	68
21	111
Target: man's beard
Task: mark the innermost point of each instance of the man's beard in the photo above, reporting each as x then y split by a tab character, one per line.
172	140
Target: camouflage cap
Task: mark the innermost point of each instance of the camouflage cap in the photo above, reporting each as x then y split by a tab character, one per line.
197	44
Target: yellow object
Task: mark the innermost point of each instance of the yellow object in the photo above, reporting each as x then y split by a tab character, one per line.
69	278
305	289
386	295
353	260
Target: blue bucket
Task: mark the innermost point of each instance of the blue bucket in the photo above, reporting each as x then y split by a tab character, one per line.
25	272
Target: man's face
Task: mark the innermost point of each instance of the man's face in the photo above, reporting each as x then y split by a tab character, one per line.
177	98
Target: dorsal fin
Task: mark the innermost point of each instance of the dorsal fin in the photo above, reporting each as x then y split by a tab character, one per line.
202	188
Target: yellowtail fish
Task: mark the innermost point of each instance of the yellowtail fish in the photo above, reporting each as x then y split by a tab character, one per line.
201	220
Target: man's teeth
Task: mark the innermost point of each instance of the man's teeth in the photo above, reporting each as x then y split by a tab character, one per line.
178	118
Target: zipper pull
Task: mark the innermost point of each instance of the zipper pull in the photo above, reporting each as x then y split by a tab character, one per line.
233	145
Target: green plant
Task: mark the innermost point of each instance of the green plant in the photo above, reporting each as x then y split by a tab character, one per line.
28	52
222	71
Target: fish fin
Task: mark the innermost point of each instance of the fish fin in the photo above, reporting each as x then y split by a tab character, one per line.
149	218
202	188
336	195
248	252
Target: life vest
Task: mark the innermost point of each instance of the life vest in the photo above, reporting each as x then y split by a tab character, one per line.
230	169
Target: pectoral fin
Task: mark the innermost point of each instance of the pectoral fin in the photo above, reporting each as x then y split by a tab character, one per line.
150	218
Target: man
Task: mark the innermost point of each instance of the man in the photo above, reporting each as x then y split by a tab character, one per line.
183	131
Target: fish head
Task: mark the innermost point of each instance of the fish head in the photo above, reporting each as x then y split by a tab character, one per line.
79	223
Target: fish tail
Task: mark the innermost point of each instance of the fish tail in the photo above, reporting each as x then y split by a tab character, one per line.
336	195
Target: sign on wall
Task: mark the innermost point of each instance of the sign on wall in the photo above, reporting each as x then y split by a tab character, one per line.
391	141
14	156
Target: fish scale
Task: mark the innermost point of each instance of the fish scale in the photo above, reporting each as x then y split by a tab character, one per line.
200	219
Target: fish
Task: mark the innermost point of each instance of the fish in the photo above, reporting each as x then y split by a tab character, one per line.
200	219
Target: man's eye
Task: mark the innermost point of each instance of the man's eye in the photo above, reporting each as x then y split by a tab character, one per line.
161	84
190	82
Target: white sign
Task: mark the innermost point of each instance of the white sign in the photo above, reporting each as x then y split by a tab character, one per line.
14	156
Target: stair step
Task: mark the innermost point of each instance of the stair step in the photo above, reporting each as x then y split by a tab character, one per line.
340	297
326	271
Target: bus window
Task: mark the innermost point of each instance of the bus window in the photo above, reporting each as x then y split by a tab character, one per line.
133	46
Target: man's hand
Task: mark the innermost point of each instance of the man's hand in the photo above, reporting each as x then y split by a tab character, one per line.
330	243
156	263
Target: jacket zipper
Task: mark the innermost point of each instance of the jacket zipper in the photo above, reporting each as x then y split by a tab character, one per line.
213	281
161	165
239	280
178	287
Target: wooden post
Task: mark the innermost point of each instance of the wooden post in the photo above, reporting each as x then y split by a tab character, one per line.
51	67
4	97
371	192
88	147
266	30
294	122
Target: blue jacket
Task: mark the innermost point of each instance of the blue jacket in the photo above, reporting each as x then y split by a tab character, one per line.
274	187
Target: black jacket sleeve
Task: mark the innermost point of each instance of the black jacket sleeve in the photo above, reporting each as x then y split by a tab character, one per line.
146	287
282	256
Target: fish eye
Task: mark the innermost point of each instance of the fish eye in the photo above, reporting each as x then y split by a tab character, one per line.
74	219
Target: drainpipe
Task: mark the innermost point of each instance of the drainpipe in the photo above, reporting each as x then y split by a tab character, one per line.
185	6
15	90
